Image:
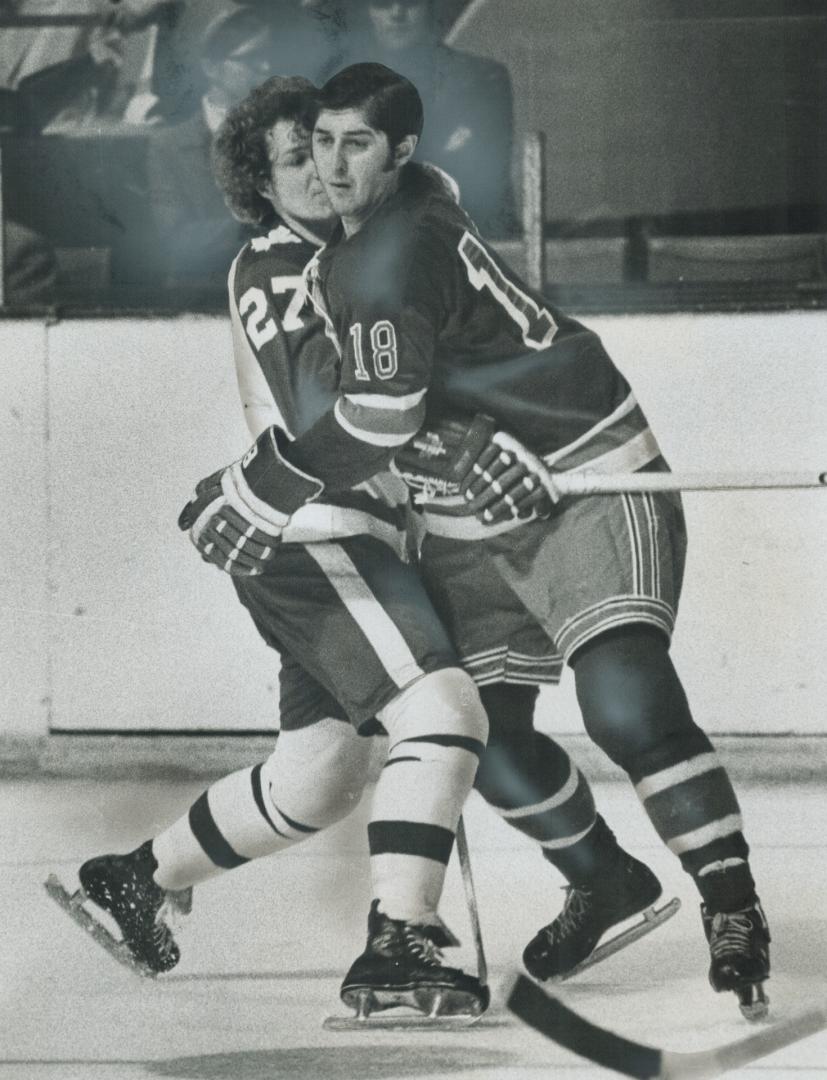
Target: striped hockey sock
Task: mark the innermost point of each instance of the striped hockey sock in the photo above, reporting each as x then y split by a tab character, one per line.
314	777
689	799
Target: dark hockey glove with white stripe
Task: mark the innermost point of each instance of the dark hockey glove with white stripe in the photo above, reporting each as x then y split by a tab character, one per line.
437	461
236	516
495	476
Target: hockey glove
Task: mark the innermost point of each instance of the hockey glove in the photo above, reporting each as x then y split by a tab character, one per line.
498	478
437	461
508	481
236	516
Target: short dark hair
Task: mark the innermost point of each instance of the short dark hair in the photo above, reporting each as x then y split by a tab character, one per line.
391	102
240	155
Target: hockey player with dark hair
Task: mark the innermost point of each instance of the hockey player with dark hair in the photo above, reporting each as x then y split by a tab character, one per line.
353	625
432	328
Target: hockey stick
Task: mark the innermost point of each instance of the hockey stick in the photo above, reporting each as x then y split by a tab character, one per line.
471	900
553	1019
588	482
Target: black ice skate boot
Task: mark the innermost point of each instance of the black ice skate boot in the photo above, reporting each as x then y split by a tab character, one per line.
401	965
123	886
625	888
740	955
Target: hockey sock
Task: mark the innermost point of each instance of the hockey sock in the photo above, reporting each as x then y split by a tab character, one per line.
635	708
437	730
533	784
314	777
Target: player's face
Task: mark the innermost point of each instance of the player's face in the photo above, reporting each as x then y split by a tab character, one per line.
400	25
355	163
295	189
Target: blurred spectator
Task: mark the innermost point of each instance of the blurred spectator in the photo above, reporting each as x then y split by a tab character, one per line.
468	101
63	75
197	236
300	35
29	266
67	76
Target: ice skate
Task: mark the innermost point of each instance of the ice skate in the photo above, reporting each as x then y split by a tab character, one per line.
402	967
740	955
123	887
570	943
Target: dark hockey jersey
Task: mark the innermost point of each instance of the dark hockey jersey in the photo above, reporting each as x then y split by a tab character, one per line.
427	318
288	374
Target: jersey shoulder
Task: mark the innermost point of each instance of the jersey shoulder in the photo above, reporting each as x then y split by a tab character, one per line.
279	252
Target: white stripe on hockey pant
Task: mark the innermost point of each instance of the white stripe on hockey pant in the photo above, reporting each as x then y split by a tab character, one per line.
634	544
563	795
565	841
676	774
699	838
387	642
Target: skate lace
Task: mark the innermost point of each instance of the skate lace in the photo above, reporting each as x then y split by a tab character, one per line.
730	934
422	947
415	942
574	912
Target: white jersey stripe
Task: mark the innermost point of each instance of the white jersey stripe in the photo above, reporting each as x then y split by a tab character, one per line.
676	774
699	838
633	454
375	438
387	401
622	410
384	636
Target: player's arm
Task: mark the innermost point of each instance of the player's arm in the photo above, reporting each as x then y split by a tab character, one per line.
387	328
236	515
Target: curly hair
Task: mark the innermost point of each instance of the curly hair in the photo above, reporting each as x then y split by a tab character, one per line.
240	157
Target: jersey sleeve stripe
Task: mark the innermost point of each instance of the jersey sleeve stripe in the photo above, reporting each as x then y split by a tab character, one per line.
386	401
379	427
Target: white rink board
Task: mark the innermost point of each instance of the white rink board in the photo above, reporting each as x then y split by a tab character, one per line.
138	633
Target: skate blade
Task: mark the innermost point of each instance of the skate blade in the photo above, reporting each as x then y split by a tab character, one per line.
753	1003
445	1010
407	1022
652	918
72	904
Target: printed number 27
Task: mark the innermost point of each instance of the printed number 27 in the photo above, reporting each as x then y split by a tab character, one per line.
536	324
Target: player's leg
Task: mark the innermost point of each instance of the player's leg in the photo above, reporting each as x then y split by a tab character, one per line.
624	556
314	777
534	785
380	649
525	776
436	731
635	709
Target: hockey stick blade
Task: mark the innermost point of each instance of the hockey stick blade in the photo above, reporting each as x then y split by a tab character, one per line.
550	1017
72	904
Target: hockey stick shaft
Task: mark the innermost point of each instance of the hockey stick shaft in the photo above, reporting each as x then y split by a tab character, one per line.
549	1016
471	900
594	483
